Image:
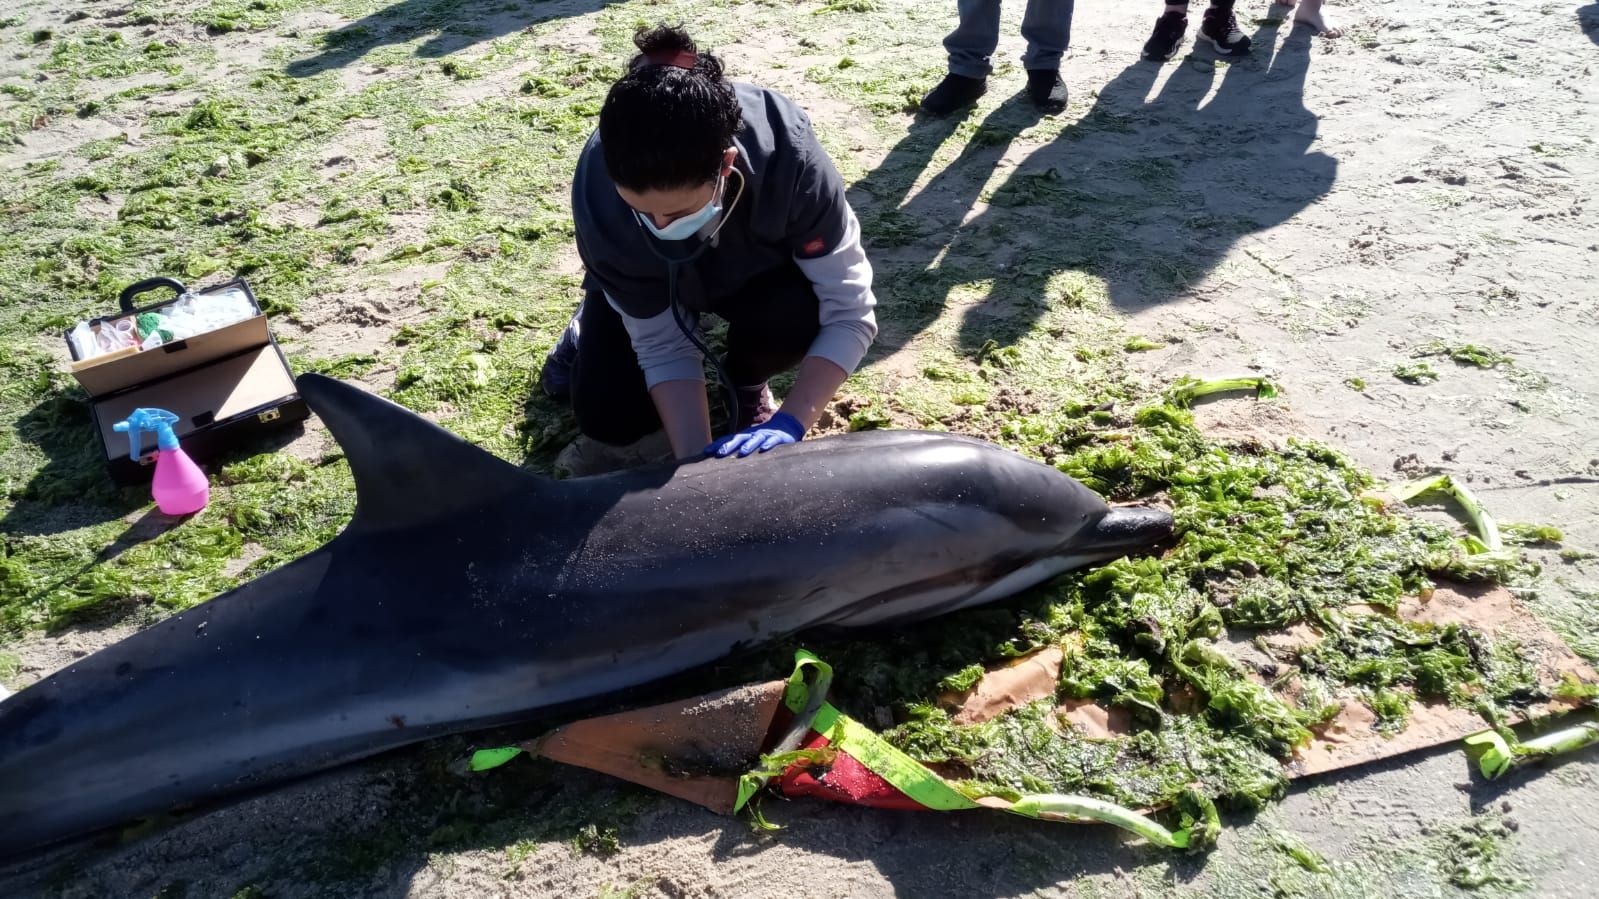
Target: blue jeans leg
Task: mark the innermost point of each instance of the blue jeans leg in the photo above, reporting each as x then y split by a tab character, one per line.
972	42
1047	26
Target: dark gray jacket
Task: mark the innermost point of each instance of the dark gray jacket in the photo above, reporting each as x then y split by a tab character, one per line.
792	211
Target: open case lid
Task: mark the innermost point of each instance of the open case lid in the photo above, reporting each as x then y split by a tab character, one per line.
101	378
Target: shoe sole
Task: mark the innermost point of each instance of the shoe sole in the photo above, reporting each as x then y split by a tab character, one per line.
1222	48
945	113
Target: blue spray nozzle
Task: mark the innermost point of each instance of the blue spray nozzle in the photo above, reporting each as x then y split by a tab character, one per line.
158	420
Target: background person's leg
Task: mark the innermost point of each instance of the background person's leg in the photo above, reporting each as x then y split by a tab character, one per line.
1169	31
1310	14
609	398
971	48
1047	27
1220	27
971	45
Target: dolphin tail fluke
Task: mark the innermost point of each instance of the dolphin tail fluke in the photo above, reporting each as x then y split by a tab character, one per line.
406	468
1125	530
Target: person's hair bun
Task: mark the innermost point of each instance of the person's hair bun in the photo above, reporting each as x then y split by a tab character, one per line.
667	122
663	39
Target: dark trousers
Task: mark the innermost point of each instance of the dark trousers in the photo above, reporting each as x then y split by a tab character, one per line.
770	325
1046	25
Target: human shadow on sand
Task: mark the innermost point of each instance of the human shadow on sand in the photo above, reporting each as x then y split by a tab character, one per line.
72	489
453	24
1588	20
1149	194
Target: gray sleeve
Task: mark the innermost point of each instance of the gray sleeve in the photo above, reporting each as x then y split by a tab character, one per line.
664	352
843	283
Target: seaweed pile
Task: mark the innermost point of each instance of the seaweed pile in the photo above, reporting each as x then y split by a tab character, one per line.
1269	539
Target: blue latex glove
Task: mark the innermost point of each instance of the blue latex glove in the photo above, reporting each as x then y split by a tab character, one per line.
782	428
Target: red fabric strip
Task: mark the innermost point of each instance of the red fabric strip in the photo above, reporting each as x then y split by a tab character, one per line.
681	60
846	781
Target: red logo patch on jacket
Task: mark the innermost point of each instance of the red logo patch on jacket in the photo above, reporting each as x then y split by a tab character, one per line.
814	247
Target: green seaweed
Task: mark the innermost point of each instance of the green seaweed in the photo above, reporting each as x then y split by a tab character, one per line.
1267	539
1464	354
1301	854
1531	534
1416	373
1186	390
960	681
1237	704
1447	857
1568	688
592	839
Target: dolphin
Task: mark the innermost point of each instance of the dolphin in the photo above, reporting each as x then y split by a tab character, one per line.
468	593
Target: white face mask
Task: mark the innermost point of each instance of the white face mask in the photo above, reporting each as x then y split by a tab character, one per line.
688	225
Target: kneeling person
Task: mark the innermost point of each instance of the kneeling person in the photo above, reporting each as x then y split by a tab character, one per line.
696	196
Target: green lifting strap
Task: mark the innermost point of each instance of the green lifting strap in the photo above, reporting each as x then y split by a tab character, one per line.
485	759
805	696
806	699
911	777
902	772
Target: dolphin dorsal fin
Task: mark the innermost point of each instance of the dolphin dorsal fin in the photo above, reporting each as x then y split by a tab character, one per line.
406	468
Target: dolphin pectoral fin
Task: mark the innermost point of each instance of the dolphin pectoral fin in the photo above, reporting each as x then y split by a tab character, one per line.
1123	530
406	468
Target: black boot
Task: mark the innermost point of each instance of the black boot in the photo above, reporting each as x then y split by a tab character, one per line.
1046	90
1167	37
1220	27
954	92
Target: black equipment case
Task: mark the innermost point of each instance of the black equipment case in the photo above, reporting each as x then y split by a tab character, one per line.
228	386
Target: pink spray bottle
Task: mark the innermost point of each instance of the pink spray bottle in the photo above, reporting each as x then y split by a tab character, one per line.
180	487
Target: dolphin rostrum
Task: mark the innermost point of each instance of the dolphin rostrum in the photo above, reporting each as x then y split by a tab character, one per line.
468	593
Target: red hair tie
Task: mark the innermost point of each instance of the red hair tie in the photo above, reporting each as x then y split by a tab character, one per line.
683	59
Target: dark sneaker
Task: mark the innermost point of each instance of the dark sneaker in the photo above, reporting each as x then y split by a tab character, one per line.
954	92
1167	37
1046	90
755	406
556	378
1221	29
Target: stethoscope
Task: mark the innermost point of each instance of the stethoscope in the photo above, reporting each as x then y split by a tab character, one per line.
673	266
